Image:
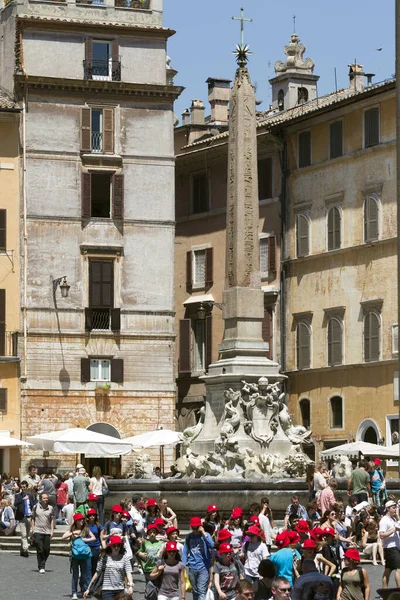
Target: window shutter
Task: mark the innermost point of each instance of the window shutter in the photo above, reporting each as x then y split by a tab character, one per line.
86	129
3	400
115	61
267	330
330	229
88	319
3	231
334	343
336	139
116	319
208	341
86	195
118	196
304	149
303	346
2	322
272	255
264	178
209	266
108	130
101	284
88	49
85	370
334	237
302	235
184	346
189	276
117	370
371	337
371	216
371	127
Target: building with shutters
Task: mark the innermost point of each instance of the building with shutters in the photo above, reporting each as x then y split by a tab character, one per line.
97	214
10	414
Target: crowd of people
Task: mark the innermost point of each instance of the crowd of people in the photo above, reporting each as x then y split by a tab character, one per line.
243	554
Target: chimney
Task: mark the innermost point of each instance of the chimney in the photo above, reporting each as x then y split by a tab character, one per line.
218	97
186	117
356	75
197	112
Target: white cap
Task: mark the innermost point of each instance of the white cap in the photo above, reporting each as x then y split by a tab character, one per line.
79	466
390	503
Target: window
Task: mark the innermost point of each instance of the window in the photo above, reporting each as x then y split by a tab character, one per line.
264	178
2	322
268	330
3	400
334	228
336	412
302	235
371	218
335	342
303	345
195	345
199	268
372	330
392	430
281	100
97	130
101	314
336	139
102	195
200	193
268	256
3	230
302	95
102	61
304	149
100	369
305	411
395	339
371	127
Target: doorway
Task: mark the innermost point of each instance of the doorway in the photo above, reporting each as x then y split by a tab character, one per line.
109	465
370	436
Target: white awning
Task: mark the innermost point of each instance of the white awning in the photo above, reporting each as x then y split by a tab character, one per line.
199	299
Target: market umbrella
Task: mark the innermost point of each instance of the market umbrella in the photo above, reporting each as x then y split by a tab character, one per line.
80	441
159	437
353	449
10	442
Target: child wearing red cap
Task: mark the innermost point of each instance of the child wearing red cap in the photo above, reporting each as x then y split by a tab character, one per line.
80	563
211	521
172	534
149	550
113	526
253	553
285	559
95	546
226	573
354	583
236	527
169	574
152	512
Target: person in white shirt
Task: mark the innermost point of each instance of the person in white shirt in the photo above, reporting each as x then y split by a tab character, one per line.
321	479
136	515
253	552
389	528
67	511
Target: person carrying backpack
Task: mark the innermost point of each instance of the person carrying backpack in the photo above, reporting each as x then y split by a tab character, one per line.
354	583
81	555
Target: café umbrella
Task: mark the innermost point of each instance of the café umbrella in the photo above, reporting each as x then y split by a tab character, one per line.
354	449
158	437
80	441
10	442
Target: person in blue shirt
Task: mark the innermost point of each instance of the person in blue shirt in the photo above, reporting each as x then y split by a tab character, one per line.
196	556
95	546
378	485
285	558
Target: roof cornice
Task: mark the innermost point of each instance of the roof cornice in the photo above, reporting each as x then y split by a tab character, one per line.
150	92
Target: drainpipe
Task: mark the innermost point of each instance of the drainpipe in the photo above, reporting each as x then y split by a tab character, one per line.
25	324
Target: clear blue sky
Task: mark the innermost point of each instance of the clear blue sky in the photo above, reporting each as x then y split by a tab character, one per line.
334	33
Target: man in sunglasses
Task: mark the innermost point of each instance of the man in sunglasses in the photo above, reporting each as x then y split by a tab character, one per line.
281	589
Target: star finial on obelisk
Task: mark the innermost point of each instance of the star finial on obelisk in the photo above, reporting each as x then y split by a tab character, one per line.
242	51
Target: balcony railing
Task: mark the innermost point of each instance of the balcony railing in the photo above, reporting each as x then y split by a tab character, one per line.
102	319
102	70
97	141
8	342
144	4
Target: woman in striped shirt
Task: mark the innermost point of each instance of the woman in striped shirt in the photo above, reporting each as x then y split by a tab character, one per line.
116	566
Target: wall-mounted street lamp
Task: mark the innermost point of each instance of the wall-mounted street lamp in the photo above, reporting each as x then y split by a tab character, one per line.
205	307
64	286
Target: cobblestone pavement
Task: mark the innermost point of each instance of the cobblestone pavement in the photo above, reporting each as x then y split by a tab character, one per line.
19	578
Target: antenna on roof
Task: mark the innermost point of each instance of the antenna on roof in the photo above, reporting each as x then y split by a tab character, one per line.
334	69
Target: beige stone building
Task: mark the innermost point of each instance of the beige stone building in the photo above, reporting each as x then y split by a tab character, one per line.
97	214
10	414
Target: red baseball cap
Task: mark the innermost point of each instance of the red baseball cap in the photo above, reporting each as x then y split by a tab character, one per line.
293	537
93	497
317	534
352	554
224	549
159	521
117	508
309	544
151	526
302	526
254	519
195	522
151	502
377	461
78	517
91	511
329	531
125	514
236	513
212	508
171	547
282	540
114	539
224	534
171	530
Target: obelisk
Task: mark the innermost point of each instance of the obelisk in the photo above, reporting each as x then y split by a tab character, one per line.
243	351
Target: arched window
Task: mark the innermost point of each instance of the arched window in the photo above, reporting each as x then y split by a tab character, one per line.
336	412
335	342
305	410
334	229
371	218
303	346
281	100
302	95
372	331
302	235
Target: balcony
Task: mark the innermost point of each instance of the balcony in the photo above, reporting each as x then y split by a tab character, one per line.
102	70
102	319
97	141
8	345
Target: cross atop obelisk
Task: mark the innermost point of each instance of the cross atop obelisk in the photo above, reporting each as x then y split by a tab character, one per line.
242	20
